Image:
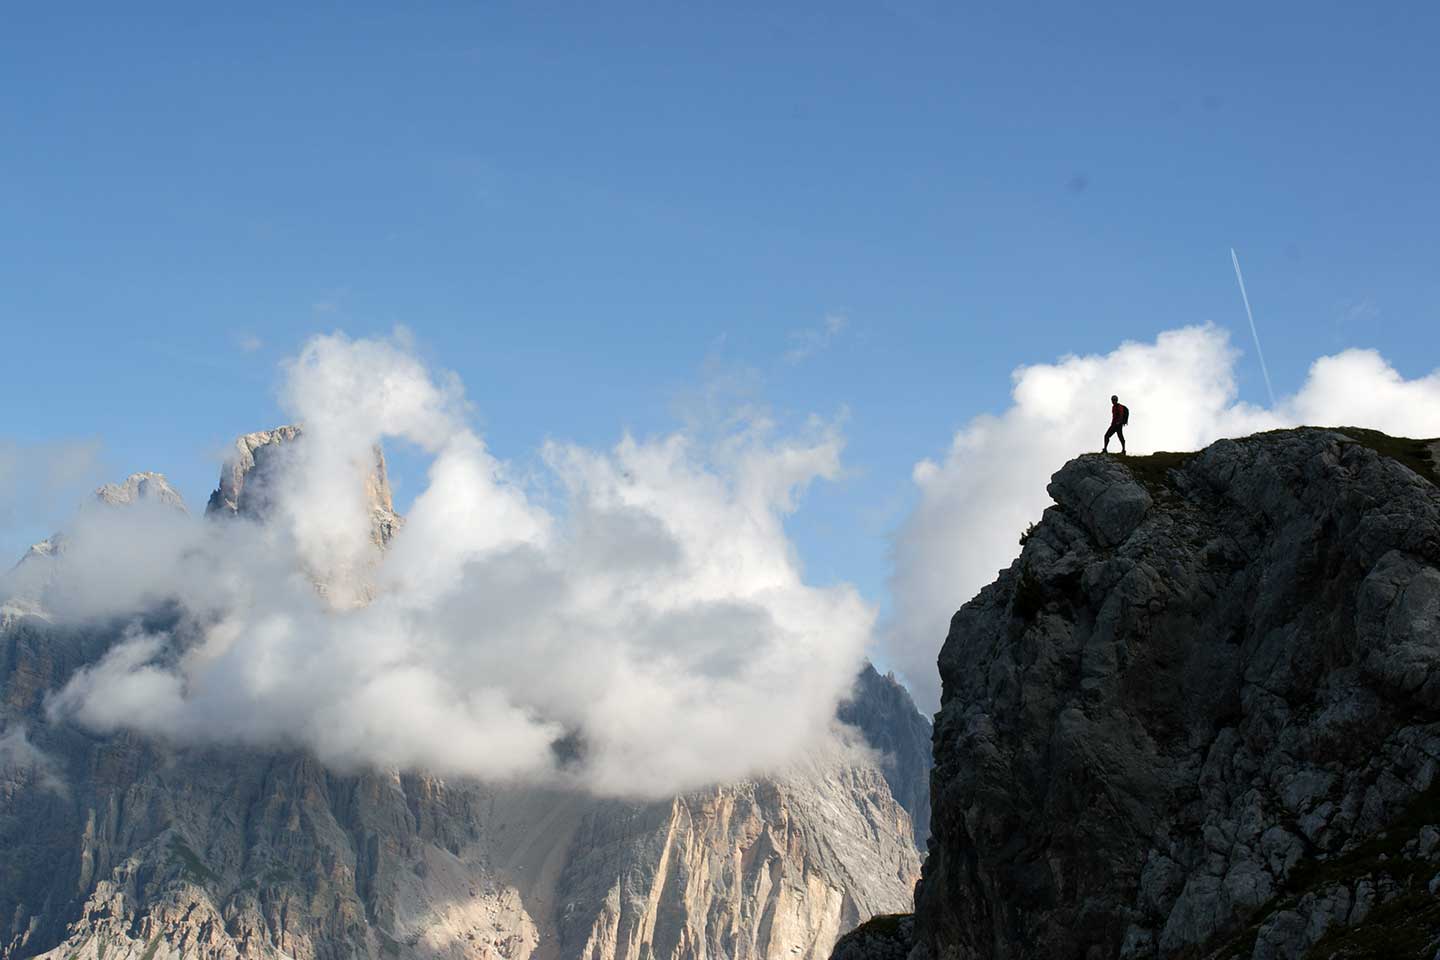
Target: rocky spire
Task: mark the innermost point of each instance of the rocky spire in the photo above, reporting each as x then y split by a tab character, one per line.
249	476
245	475
881	708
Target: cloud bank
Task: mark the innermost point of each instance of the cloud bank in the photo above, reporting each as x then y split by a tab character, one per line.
1181	389
637	624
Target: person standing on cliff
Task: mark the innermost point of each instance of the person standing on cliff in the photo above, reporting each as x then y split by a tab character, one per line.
1119	416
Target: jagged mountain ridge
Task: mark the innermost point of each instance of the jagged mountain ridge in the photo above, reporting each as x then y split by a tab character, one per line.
1199	716
115	847
883	710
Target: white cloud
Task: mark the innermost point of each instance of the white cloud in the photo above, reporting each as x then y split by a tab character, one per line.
657	613
811	340
248	342
19	756
1181	390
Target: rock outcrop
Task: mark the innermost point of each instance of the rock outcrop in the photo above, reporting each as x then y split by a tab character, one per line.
1200	714
122	848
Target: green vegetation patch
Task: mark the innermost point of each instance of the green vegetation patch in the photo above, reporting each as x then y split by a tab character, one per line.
1414	454
883	925
1153	470
1405	927
150	948
881	935
276	876
1029	601
190	862
1382	852
1412	917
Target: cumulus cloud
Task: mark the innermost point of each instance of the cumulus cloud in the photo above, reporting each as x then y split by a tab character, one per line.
637	626
1181	388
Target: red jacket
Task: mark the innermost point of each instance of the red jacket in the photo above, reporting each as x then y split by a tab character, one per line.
1117	414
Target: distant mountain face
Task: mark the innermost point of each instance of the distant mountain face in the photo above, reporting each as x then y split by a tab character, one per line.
117	847
1198	717
884	712
255	466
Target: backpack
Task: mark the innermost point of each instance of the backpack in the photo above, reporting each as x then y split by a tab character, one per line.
1124	415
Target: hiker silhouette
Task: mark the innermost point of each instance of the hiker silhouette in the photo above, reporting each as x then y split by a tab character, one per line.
1119	416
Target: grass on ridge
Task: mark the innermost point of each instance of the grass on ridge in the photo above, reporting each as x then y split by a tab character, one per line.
1413	453
1153	469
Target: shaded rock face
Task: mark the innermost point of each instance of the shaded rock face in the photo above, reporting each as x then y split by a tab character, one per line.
883	711
1199	715
247	475
122	848
886	937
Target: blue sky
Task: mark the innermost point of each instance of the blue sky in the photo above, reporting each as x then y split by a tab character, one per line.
599	217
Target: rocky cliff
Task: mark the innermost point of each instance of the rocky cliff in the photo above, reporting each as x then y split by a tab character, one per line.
1199	716
121	848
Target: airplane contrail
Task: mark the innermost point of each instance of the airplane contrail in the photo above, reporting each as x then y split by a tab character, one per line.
1253	332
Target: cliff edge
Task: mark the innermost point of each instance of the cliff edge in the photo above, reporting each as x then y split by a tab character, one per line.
1199	716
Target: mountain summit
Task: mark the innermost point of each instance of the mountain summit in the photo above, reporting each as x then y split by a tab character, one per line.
252	477
116	846
1199	716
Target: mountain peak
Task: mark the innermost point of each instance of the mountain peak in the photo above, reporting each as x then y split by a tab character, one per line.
250	464
881	709
249	476
141	487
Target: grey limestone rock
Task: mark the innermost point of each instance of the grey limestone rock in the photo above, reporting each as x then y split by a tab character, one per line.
887	717
141	487
248	472
122	848
254	475
1209	683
